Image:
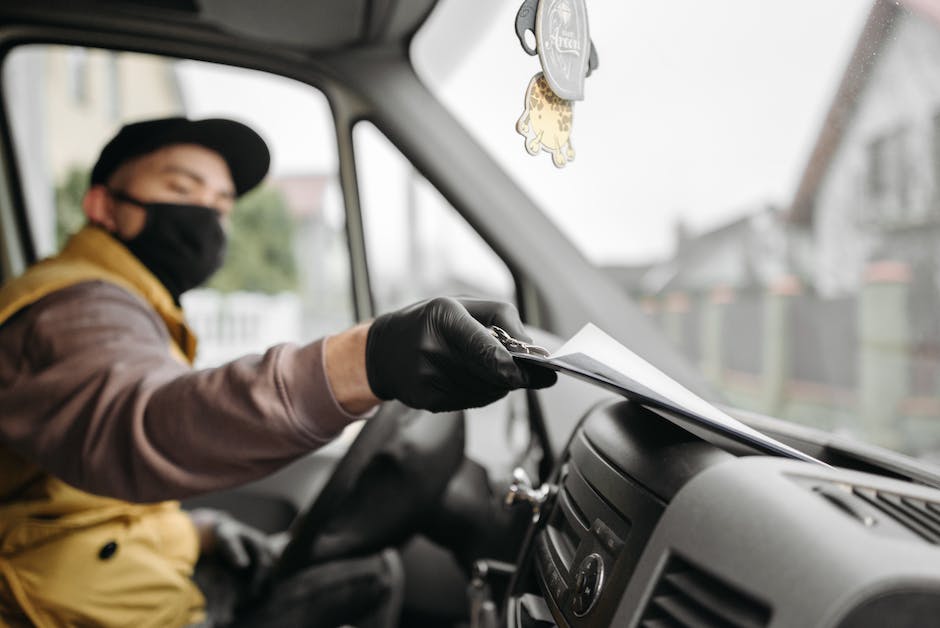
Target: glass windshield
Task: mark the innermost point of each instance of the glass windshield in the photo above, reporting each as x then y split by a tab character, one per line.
763	177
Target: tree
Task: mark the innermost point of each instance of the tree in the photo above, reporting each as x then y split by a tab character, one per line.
69	216
260	254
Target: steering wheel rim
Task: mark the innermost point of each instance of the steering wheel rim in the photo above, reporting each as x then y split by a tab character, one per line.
424	451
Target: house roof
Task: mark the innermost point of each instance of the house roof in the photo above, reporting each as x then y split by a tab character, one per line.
304	194
629	277
881	20
736	253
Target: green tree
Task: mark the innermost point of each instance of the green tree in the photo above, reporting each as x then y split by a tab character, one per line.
260	254
69	216
260	247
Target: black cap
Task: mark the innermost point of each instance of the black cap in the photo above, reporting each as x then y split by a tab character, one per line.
242	149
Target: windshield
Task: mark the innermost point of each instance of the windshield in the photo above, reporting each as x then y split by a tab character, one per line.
763	177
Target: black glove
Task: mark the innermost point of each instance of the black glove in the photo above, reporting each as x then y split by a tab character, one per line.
248	550
439	355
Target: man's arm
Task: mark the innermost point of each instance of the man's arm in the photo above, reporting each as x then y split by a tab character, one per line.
91	393
346	369
95	397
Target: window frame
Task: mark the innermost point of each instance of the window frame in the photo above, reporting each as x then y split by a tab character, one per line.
17	248
17	245
451	206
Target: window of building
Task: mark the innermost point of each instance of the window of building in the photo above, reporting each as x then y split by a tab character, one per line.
77	72
902	171
876	167
890	177
113	86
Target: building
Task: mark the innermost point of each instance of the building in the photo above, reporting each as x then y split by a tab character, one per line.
748	253
870	195
64	100
871	187
828	312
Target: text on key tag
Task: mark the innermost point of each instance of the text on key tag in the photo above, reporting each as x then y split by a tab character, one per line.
564	45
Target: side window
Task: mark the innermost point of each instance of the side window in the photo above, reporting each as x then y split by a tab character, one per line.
418	246
286	275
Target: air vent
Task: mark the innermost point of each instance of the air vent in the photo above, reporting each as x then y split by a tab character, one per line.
918	516
867	505
688	597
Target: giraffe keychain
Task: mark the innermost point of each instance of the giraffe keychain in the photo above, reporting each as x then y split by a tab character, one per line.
567	56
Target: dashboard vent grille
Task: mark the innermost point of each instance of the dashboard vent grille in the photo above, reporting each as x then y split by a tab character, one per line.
688	597
918	516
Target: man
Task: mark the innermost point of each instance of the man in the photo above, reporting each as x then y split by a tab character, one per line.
103	420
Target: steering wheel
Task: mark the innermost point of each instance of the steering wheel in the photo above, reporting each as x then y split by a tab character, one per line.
396	468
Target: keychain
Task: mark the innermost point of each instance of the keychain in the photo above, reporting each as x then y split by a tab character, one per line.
567	56
517	346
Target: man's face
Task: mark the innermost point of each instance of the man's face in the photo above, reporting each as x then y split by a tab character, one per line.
186	174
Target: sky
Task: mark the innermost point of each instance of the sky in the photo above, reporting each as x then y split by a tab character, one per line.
700	111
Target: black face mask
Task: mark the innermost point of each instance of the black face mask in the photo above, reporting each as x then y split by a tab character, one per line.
182	245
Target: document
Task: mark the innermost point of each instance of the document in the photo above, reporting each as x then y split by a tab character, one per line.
594	356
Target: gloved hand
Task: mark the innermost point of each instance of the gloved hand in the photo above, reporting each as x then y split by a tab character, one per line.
439	355
246	549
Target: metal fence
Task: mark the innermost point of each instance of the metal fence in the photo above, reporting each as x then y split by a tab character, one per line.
824	340
743	333
692	335
923	310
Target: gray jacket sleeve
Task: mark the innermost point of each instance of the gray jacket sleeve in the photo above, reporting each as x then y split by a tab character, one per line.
90	392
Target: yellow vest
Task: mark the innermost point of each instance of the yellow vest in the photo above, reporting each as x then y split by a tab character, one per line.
70	558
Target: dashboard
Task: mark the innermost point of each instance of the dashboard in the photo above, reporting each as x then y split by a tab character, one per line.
649	525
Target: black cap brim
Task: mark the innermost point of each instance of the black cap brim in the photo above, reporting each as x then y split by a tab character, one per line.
242	148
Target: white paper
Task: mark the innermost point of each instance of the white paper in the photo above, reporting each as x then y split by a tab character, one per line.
592	342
